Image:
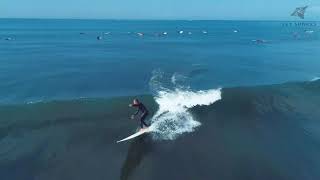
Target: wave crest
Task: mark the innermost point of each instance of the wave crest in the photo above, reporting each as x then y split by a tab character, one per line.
173	118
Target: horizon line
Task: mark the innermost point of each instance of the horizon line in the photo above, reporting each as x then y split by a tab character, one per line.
138	19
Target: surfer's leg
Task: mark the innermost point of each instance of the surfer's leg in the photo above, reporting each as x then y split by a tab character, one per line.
143	117
145	124
141	124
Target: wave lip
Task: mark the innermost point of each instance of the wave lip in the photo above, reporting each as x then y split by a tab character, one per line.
172	118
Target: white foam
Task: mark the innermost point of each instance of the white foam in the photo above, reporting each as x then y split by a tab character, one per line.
172	117
34	101
315	79
176	78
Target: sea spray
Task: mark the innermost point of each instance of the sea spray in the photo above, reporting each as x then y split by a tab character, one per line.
172	118
175	98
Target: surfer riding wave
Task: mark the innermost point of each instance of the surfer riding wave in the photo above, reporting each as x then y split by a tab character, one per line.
143	110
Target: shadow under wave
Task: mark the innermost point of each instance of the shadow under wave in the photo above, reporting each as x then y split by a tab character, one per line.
138	149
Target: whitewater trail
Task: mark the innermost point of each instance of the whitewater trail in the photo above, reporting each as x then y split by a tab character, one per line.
173	118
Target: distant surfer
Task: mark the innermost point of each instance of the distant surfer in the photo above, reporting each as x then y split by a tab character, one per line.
9	39
259	41
140	34
143	111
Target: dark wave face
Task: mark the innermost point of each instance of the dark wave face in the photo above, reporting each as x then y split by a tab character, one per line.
262	133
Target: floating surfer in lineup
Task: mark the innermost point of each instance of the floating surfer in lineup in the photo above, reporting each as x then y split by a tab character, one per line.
143	110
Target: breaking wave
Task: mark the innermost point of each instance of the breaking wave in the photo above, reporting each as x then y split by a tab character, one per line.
174	100
173	118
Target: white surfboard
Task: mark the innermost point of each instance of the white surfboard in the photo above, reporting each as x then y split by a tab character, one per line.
139	133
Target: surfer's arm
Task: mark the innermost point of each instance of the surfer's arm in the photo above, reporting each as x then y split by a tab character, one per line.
132	116
136	112
134	105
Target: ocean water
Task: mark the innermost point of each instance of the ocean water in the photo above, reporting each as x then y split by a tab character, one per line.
223	105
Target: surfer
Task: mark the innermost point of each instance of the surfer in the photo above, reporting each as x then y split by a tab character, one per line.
143	110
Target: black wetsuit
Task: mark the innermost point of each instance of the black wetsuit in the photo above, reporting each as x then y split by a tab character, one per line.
144	113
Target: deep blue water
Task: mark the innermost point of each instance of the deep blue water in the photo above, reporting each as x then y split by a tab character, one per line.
50	59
